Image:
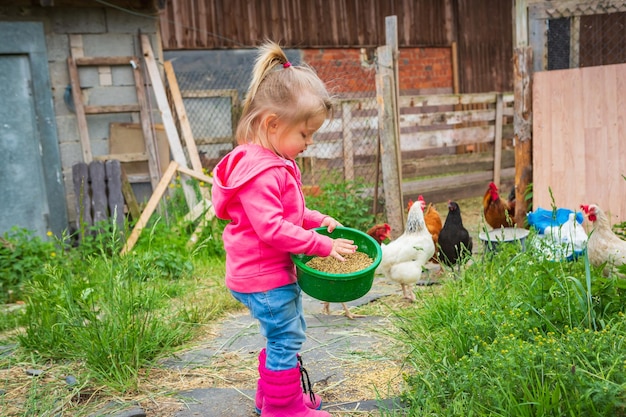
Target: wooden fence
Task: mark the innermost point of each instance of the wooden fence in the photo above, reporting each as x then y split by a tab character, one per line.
452	145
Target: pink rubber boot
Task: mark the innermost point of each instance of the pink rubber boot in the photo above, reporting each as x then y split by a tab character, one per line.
311	400
283	395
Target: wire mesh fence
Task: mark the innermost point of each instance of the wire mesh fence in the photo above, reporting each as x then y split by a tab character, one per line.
576	39
345	148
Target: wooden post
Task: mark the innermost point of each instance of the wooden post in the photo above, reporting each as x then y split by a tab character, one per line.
348	142
522	119
497	144
390	142
391	39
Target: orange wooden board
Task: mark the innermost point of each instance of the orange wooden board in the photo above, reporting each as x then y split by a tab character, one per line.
127	138
579	139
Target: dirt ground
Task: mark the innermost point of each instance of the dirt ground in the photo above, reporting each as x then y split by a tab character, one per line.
157	396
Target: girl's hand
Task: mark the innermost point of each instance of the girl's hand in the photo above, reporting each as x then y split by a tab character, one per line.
342	246
330	223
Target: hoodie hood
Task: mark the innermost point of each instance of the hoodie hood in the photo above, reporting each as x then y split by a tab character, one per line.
241	165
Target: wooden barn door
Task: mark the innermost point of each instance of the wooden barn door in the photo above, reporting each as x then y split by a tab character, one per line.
579	139
32	188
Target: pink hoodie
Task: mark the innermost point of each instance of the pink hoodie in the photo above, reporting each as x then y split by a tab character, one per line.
261	194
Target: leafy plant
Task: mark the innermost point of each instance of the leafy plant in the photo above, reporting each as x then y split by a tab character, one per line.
348	202
518	335
22	255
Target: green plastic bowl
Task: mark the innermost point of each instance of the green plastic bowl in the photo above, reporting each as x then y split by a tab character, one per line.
339	288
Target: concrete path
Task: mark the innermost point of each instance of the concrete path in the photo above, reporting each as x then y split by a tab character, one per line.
334	354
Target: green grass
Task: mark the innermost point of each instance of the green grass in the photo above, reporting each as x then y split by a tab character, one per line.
517	335
512	334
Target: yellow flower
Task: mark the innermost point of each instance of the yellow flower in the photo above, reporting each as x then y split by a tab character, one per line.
49	233
53	254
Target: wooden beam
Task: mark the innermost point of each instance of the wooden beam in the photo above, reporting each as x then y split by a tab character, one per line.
181	114
497	145
148	128
390	143
129	196
81	120
119	108
150	207
173	138
522	69
197	175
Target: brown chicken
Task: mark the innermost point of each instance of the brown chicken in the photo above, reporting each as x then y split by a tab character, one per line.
380	232
604	247
433	223
498	212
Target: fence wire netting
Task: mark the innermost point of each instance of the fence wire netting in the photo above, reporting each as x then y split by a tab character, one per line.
345	148
576	41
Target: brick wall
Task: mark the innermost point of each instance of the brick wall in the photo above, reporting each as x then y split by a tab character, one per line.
352	71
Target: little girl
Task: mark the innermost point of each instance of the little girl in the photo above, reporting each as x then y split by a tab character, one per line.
258	188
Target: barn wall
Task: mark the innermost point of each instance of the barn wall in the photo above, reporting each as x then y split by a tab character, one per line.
482	29
87	31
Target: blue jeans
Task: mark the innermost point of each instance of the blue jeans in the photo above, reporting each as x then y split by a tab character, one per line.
281	318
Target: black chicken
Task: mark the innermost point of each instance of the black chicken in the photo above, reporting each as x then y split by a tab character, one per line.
455	242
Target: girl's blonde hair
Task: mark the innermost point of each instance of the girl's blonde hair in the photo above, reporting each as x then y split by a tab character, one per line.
293	93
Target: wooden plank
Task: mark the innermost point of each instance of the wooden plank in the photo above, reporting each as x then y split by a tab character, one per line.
154	145
128	145
181	114
77	98
104	60
446	99
578	151
115	197
123	157
443	138
448	118
129	196
197	175
80	179
98	192
163	104
432	184
150	207
120	108
176	148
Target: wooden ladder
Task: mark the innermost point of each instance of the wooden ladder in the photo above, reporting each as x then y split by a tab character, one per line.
141	107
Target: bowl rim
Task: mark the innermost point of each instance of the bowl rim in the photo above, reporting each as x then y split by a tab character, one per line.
357	274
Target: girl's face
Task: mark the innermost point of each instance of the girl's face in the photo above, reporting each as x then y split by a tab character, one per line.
291	140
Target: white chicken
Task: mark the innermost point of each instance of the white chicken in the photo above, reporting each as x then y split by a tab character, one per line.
604	247
404	257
